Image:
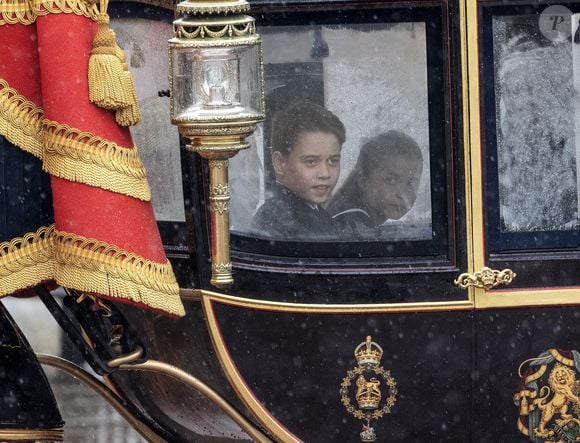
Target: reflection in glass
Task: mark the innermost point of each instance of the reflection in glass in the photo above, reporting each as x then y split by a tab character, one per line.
536	88
343	69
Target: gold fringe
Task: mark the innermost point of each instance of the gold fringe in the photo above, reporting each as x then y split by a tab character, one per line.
27	261
129	115
83	157
26	12
20	120
70	153
89	265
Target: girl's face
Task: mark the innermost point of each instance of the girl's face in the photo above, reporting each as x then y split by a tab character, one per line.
391	189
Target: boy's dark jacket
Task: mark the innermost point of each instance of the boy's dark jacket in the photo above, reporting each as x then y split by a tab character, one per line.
286	216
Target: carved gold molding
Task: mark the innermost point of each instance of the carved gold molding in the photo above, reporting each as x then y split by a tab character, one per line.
213	7
264	304
217	30
487	278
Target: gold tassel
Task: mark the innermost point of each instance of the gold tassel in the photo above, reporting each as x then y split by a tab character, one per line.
106	76
131	114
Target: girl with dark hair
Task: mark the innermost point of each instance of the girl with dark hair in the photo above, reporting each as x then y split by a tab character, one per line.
383	185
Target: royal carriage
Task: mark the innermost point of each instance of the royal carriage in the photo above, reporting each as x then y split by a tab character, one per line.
456	321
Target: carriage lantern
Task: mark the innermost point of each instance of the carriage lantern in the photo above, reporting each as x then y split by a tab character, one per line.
217	99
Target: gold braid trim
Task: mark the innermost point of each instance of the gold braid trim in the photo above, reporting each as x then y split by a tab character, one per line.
89	265
84	157
27	261
26	12
20	120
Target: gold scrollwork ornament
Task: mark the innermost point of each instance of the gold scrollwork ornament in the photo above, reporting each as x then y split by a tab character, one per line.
549	397
487	278
369	377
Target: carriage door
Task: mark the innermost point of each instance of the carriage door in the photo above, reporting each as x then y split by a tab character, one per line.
523	99
304	299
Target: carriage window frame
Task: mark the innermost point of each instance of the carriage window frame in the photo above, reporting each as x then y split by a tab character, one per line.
440	250
541	268
500	243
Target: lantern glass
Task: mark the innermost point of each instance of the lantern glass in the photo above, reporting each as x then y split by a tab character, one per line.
216	82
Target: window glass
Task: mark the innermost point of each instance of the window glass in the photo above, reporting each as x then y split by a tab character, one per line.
144	42
531	85
354	153
382	106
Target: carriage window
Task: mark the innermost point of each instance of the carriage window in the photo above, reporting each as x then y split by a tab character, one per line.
354	147
532	79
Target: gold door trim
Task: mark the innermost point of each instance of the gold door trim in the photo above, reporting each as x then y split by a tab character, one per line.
314	308
465	38
472	128
527	298
242	390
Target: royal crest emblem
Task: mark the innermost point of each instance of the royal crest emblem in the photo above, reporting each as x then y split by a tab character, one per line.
549	397
370	381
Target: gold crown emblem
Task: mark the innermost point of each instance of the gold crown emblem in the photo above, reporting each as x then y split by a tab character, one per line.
368	353
368	393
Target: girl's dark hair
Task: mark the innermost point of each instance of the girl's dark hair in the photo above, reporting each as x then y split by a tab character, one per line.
302	117
373	154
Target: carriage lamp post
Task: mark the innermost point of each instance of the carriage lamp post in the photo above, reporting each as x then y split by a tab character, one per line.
217	99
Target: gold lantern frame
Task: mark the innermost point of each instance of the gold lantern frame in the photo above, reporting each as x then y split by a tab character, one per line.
216	25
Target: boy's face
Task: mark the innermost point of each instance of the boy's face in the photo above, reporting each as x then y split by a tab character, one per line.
391	189
312	167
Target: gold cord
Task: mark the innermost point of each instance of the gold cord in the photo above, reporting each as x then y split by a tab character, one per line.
26	12
20	120
86	158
